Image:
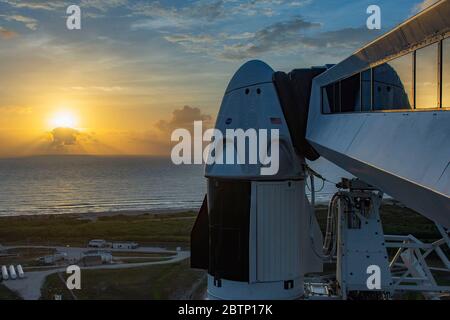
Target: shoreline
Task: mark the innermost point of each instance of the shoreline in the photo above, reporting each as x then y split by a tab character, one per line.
166	211
94	215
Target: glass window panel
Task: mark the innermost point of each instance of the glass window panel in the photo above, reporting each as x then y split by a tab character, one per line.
331	98
393	84
446	73
337	97
326	108
366	90
427	77
351	94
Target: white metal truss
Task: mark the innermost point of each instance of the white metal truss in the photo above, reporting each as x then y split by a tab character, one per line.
355	235
410	269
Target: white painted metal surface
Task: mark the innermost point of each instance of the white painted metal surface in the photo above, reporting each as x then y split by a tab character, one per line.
413	264
12	273
251	102
404	153
283	232
20	271
233	290
361	245
279	246
279	210
311	241
5	274
251	73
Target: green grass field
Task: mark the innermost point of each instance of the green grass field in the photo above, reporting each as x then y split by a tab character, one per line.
171	281
169	229
6	294
71	230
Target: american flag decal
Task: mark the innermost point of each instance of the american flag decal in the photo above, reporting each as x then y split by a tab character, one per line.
275	120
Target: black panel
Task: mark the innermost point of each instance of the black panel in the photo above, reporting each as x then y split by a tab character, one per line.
332	92
229	218
351	94
294	92
366	90
200	239
302	83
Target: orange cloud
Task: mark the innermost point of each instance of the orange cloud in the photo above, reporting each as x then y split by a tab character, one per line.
7	34
184	118
424	4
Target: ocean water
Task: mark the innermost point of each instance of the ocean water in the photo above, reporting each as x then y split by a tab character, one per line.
82	184
85	184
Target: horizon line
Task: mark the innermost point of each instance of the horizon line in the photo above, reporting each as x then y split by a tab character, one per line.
85	155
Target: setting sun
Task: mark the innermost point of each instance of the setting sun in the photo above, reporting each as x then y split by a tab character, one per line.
64	119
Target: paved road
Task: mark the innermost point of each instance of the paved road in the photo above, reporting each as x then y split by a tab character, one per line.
77	252
30	287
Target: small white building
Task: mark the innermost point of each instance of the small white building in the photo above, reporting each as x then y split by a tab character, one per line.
97	243
105	257
54	258
125	245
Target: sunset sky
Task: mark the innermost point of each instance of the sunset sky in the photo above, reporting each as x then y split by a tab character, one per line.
138	69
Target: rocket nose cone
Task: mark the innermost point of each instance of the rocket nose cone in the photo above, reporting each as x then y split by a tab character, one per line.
251	73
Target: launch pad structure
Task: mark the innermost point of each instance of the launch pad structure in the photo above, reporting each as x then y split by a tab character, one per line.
258	236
